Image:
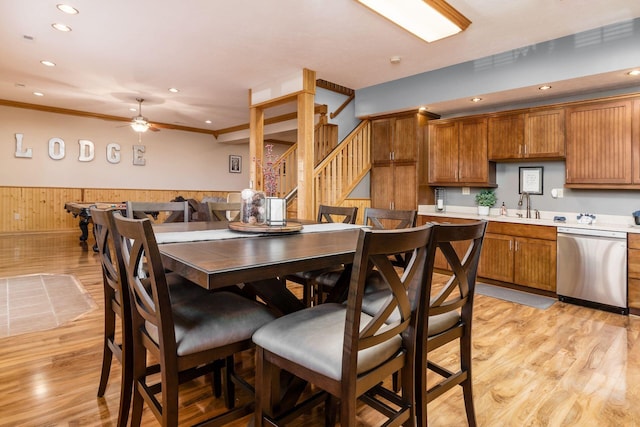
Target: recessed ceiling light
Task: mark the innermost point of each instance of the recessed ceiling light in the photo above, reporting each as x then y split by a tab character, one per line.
544	87
133	109
208	122
61	27
173	90
48	63
67	9
38	93
634	73
395	59
476	99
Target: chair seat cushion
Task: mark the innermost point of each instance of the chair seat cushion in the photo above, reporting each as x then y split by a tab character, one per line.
215	320
314	337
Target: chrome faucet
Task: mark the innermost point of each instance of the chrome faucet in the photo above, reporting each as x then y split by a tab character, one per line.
522	196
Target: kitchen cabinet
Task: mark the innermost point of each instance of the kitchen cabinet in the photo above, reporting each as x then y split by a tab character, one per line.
512	253
458	153
536	134
633	272
394	151
599	144
520	254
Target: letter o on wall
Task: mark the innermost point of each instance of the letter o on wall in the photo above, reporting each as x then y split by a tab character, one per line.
56	148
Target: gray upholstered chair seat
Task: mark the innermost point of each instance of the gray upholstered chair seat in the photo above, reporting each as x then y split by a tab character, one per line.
214	320
314	338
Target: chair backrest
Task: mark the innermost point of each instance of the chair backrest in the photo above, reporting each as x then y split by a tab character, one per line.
381	219
233	198
151	305
346	214
397	315
114	272
173	211
219	211
458	292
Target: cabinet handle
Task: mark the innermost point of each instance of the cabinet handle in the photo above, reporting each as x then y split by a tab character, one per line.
525	149
519	149
516	246
510	245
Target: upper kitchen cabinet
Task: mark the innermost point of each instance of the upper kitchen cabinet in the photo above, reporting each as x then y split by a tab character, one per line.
599	145
532	135
458	153
394	150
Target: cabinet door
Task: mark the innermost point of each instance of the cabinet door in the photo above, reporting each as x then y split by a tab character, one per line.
496	260
535	263
473	165
405	195
544	134
405	145
599	143
443	153
635	144
506	137
381	140
382	186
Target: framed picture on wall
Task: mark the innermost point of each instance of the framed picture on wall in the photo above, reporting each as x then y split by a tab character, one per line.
235	164
531	180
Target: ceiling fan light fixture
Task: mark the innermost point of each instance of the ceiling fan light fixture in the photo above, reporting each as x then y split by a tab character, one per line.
429	20
140	124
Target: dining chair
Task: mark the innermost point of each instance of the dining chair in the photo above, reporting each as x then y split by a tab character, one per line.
447	317
377	219
187	339
234	197
340	350
219	211
117	307
326	214
171	211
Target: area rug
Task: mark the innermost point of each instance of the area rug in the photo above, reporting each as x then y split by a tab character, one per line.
39	302
524	298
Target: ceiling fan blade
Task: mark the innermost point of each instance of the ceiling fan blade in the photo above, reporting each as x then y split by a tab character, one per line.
152	128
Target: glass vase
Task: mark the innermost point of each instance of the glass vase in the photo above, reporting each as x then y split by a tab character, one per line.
253	209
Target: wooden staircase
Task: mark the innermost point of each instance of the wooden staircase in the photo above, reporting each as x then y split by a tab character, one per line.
339	167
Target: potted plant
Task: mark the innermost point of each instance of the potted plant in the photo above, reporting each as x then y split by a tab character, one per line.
485	199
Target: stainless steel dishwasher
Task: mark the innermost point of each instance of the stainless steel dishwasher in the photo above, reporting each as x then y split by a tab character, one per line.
592	268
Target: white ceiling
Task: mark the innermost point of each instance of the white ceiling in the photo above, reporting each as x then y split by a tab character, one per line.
214	51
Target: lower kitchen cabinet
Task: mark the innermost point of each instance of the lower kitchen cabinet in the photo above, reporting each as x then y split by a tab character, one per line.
633	271
512	253
520	254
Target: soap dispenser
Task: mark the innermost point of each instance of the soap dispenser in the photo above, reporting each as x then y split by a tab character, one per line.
503	210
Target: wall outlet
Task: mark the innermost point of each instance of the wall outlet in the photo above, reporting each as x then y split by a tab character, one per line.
557	193
466	191
16	216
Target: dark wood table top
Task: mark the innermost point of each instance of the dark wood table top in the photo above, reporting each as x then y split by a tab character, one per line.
218	263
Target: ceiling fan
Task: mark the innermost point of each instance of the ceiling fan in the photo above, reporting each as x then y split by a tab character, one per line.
140	123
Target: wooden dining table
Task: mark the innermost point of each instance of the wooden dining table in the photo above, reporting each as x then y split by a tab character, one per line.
259	260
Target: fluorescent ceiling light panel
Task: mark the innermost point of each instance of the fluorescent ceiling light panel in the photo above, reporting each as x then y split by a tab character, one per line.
428	19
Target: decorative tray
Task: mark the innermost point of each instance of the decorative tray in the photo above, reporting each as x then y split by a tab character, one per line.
289	227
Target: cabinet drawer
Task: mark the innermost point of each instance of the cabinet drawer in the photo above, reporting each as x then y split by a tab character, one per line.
522	230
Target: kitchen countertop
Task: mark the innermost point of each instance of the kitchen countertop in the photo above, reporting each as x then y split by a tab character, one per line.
603	222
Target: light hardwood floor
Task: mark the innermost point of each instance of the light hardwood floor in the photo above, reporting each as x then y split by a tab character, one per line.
564	366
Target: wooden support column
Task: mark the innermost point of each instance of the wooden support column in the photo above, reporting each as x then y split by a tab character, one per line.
256	146
306	200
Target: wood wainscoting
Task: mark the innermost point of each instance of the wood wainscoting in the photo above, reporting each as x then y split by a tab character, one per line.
37	209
